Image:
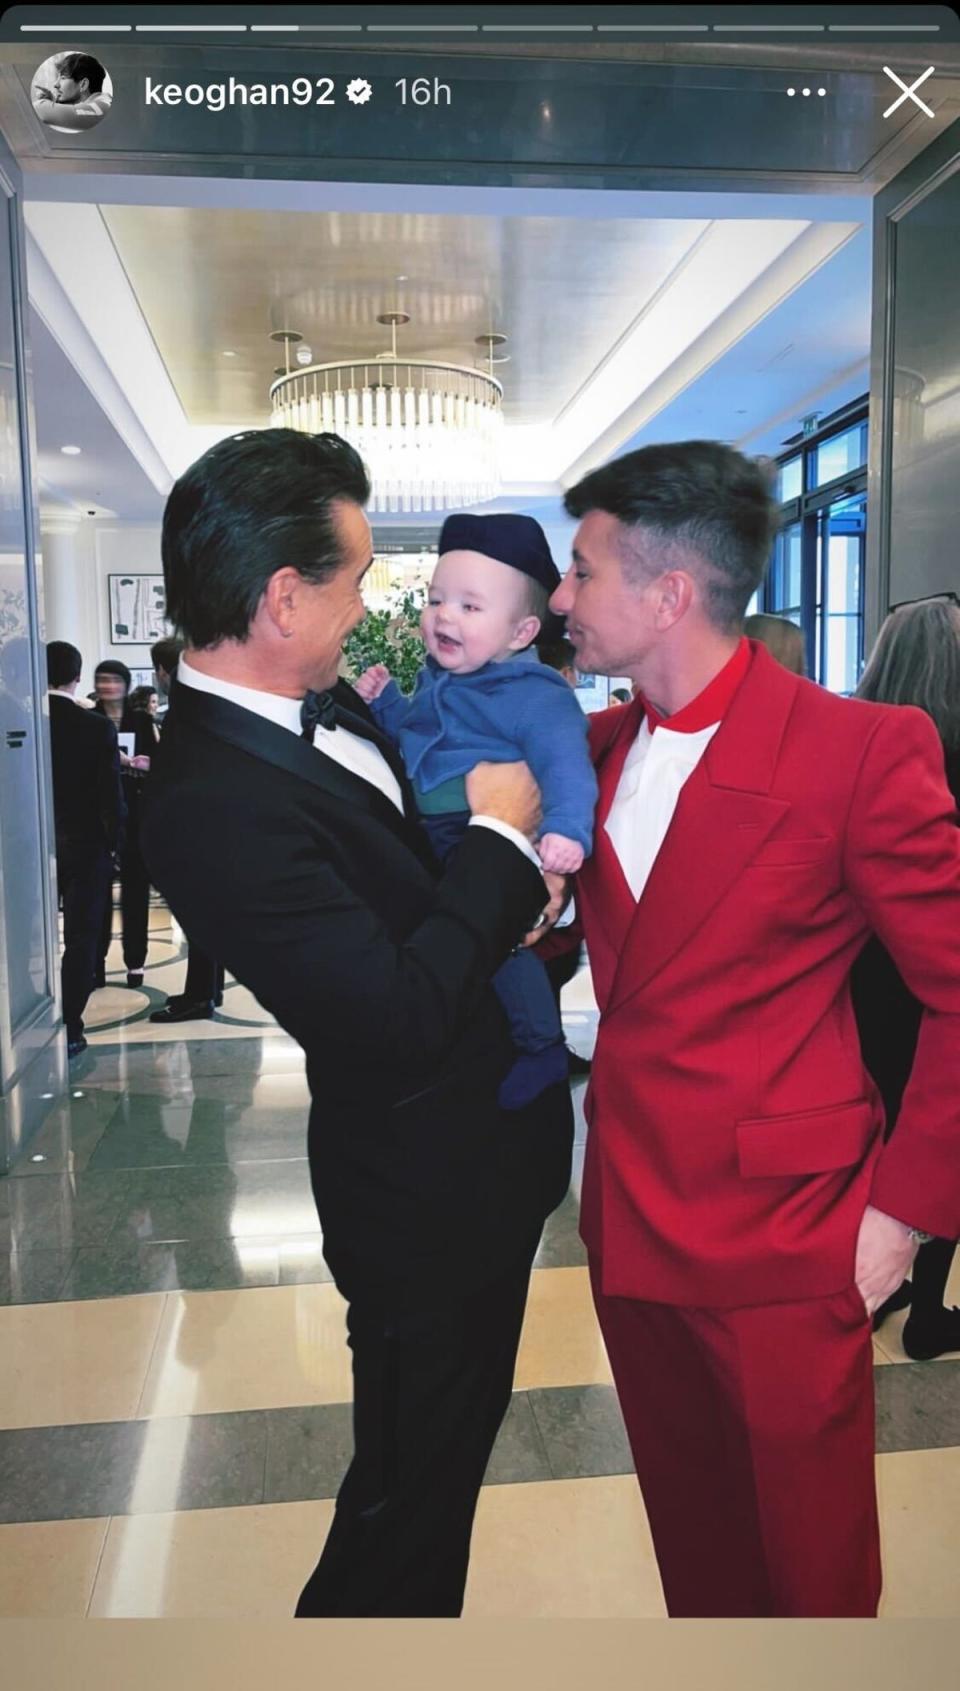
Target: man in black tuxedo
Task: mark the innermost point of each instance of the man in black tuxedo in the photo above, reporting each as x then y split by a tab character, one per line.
89	812
282	830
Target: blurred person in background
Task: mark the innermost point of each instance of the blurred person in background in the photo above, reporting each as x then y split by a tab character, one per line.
916	661
203	988
111	680
559	655
144	698
782	638
88	808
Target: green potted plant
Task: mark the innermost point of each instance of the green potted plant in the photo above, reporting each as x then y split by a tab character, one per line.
391	637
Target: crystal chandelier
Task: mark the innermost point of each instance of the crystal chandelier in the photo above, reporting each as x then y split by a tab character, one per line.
428	433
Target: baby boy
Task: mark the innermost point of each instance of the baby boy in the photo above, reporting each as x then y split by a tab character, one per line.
484	697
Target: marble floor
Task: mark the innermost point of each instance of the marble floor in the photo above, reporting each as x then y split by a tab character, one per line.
175	1386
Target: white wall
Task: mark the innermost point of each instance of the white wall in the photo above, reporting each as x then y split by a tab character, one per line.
78	557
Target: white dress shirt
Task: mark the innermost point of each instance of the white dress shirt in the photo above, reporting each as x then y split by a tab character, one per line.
361	757
658	763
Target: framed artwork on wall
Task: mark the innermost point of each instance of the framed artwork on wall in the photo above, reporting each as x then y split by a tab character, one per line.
138	608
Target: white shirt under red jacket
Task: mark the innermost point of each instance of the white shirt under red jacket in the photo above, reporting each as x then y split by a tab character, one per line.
735	1137
727	1074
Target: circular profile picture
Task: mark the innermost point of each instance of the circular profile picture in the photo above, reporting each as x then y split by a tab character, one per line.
71	91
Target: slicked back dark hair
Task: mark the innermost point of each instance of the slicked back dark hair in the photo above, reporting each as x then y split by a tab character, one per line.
701	495
253	504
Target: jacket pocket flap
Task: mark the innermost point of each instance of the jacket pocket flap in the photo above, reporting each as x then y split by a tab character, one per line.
812	1142
783	853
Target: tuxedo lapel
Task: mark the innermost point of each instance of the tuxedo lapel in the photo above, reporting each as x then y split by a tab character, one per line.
190	708
723	816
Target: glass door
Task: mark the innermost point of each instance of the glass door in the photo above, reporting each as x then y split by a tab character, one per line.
841	553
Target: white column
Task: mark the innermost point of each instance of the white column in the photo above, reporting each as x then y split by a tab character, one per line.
70	590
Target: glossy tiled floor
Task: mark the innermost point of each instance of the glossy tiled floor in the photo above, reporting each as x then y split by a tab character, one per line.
175	1389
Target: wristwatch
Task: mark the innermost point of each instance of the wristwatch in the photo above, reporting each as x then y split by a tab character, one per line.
919	1237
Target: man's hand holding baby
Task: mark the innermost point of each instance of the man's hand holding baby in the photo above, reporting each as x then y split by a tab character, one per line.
372	682
560	855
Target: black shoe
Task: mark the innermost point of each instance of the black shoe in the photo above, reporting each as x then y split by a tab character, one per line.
135	977
924	1338
900	1299
99	978
576	1064
76	1046
183	1012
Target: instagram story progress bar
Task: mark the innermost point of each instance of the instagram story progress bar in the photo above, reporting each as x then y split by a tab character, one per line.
435	25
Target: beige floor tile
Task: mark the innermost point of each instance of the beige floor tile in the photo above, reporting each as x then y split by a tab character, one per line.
64	1363
274	1347
563	1548
265	1348
211	1563
561	1343
920	1527
569	1549
888	1340
48	1568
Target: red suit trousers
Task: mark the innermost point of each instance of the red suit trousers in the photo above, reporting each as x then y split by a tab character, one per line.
752	1433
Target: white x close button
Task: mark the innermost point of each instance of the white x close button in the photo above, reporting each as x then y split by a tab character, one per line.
908	93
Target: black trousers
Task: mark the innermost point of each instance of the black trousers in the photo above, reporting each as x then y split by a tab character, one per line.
204	977
431	1387
83	878
134	901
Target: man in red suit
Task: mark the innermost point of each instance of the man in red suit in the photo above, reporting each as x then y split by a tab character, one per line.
742	1215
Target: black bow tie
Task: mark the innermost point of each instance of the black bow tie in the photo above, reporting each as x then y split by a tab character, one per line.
316	707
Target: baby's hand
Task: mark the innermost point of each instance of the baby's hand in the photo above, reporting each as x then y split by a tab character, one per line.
560	855
372	682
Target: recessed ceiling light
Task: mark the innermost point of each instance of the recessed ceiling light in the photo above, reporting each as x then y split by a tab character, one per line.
72	451
38	1158
229	355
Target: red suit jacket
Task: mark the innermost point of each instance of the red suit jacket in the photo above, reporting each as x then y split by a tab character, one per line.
735	1136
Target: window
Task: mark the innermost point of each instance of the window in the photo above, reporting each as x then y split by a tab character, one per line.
815	576
838	456
790	479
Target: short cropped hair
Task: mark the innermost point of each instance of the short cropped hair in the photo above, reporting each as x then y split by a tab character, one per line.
80	66
252	504
64	663
165	653
702	496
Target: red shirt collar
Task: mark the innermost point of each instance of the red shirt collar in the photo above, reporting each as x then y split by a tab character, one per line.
711	704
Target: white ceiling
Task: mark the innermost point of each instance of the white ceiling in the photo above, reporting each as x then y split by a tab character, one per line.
621	328
214	281
106	479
